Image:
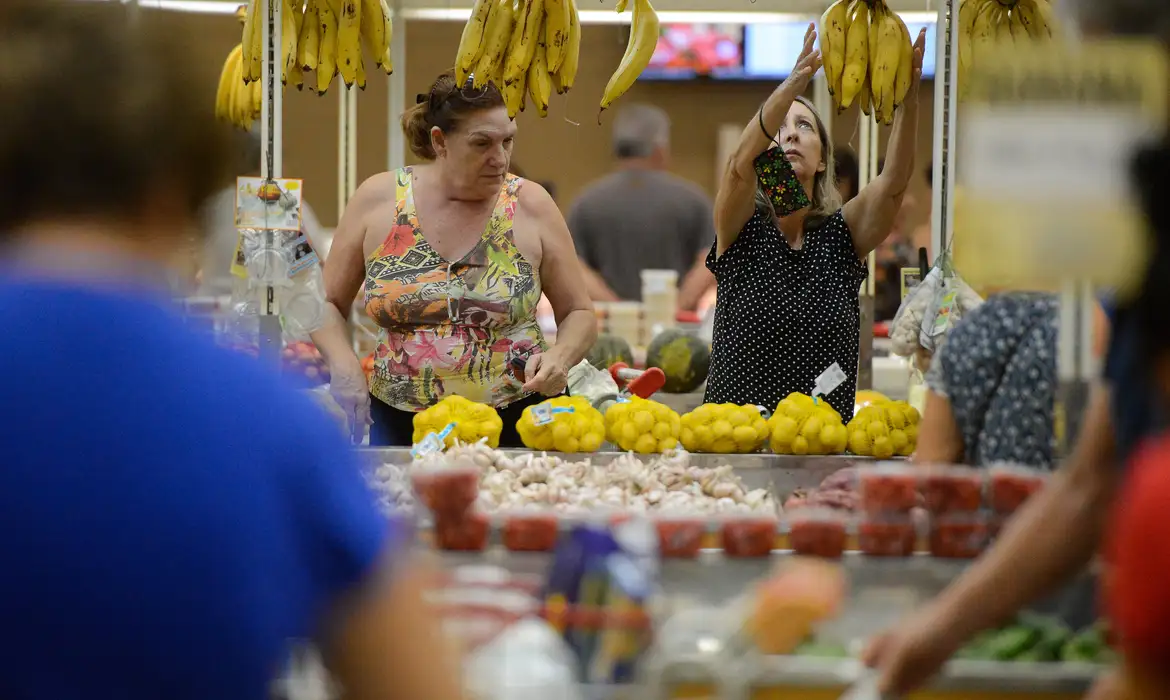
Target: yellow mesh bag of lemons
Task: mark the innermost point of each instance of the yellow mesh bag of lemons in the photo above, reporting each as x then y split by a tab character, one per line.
724	428
472	422
884	429
803	426
642	426
575	426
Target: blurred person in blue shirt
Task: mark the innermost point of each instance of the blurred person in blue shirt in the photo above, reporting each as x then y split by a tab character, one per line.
172	517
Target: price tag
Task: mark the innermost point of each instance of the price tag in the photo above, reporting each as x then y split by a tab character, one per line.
542	414
432	443
829	380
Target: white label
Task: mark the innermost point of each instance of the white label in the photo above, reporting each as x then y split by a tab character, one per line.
830	379
542	414
429	445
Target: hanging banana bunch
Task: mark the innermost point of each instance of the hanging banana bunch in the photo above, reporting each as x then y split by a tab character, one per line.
868	57
639	51
984	23
237	100
526	48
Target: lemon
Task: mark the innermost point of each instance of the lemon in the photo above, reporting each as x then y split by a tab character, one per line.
643	421
687	437
882	449
629	432
568	444
703	437
720	429
898	440
723	446
812	427
666	444
590	442
744	437
799	446
859	443
784	429
912	434
543	442
877	430
561	430
646	444
661	431
738	417
617	412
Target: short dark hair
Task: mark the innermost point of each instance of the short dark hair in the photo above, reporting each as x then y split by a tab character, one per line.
445	105
99	115
846	162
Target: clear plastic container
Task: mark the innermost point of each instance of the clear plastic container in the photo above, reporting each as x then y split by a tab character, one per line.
1011	486
659	301
530	530
949	489
680	536
465	532
818	532
887	535
888	488
625	321
959	535
748	535
448	490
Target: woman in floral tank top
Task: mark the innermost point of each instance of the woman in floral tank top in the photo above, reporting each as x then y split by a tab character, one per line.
452	258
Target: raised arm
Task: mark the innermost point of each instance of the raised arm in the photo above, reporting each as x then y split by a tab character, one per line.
870	215
343	278
564	285
735	201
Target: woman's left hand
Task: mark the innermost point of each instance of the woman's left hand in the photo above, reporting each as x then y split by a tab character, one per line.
547	375
919	52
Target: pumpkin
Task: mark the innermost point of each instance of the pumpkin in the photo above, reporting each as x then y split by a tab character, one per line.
609	350
683	358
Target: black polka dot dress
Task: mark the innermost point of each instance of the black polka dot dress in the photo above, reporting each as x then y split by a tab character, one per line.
784	315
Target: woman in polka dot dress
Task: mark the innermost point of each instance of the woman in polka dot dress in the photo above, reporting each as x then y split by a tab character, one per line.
789	281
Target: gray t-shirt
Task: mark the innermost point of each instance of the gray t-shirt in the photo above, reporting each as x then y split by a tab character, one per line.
635	220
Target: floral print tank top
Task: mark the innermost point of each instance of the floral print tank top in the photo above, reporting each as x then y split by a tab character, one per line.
451	327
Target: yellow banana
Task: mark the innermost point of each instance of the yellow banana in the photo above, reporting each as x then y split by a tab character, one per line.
499	31
968	9
621	6
360	74
309	40
564	78
833	44
349	40
514	94
885	56
298	13
865	99
239	108
558	18
905	74
224	91
288	41
252	40
539	81
853	78
525	36
374	29
983	28
1046	25
639	50
1003	25
873	44
327	53
471	43
387	61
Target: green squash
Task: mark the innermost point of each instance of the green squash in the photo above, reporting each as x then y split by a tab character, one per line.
609	350
683	358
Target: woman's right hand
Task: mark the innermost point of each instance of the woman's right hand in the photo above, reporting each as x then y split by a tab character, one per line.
807	64
912	653
348	386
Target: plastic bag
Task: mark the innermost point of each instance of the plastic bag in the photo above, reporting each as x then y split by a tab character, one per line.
907	324
527	661
929	312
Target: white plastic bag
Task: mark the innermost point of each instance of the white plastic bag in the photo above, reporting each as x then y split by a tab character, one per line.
527	661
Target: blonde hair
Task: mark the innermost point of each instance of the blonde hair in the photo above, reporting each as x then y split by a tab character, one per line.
826	200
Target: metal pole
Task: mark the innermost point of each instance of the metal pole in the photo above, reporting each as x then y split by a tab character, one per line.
867	157
271	166
346	145
946	105
396	155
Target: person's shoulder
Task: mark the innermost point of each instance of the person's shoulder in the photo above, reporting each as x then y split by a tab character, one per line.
685	188
533	199
599	190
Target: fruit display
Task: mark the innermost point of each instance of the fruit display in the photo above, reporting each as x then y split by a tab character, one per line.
750	536
866	397
784	609
868	56
888	488
1011	486
572	426
804	426
887	535
682	357
724	429
609	350
523	47
958	536
818	532
985	23
642	426
303	363
680	537
323	36
883	430
665	484
1039	639
455	419
948	490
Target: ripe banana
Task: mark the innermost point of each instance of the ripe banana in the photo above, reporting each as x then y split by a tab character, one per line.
983	28
833	43
471	43
360	74
1045	22
387	61
885	52
564	78
253	41
373	29
309	41
639	50
223	93
853	78
539	81
349	40
514	95
288	41
558	20
905	74
327	54
298	14
525	36
499	31
865	99
1003	25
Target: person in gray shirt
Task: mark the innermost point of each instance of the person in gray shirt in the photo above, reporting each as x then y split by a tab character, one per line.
641	217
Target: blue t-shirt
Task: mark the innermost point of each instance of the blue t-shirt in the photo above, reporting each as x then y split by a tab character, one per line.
1135	410
171	515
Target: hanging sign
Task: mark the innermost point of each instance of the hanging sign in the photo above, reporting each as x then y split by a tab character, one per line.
1045	141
